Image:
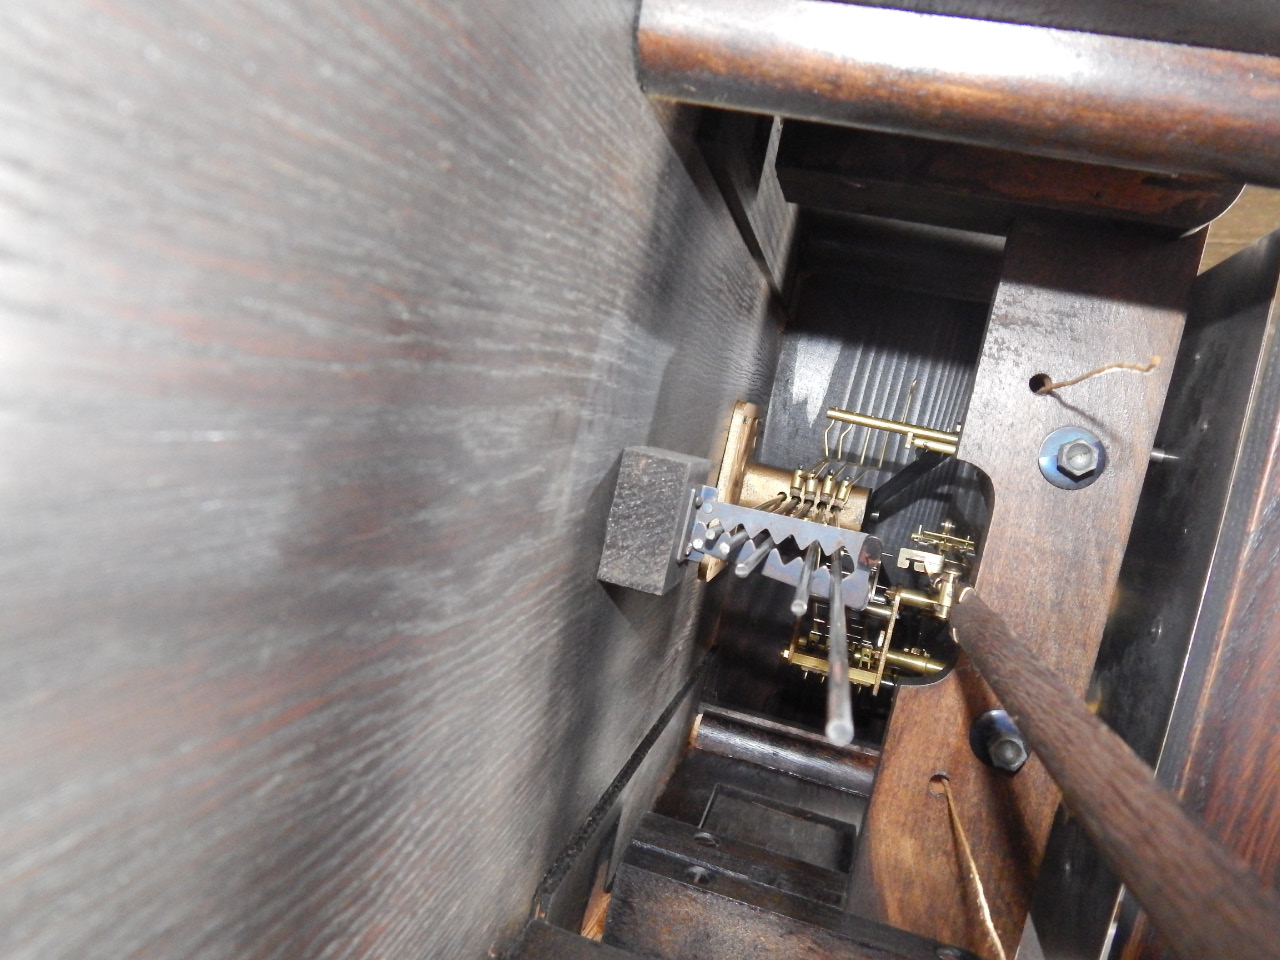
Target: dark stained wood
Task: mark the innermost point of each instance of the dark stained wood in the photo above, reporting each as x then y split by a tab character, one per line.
741	150
727	854
912	257
1221	754
1252	26
1202	899
978	188
1220	406
1069	300
695	781
658	910
541	941
322	327
1056	93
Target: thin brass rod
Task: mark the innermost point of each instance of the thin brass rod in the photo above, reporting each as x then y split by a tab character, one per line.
920	436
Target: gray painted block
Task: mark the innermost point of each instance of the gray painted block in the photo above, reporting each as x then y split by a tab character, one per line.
649	518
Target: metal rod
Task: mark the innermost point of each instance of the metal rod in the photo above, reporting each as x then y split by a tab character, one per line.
1057	93
732	542
895	658
749	561
895	426
801	602
902	418
773	503
705	541
839	704
777	746
911	661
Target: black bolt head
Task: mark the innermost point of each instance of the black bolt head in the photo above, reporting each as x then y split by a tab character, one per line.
1008	753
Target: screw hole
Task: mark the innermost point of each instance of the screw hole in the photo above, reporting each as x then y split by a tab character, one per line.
936	784
1040	382
699	875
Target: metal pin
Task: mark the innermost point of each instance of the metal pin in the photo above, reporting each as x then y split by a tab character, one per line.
797	487
906	410
773	503
704	542
866	442
732	543
825	496
748	561
840	441
810	495
839	703
801	602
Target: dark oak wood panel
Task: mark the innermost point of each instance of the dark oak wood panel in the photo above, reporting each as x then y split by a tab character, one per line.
1221	754
1216	395
322	327
659	911
1202	898
741	150
1069	300
978	188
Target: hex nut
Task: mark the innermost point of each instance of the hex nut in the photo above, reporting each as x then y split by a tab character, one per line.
1008	753
1077	459
997	742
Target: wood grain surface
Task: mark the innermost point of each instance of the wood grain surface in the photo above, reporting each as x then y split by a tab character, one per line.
1249	25
978	188
1202	899
322	327
1069	300
1221	755
1218	393
1054	93
1250	218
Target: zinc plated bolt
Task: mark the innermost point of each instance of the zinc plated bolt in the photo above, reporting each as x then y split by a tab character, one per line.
1072	457
1077	458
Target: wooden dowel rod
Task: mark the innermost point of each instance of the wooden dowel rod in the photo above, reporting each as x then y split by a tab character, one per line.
1057	93
1204	902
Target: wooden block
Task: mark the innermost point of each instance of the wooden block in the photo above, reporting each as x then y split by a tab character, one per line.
649	519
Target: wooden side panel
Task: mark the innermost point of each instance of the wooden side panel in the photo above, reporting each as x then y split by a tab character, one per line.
1068	301
741	150
322	327
1221	754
